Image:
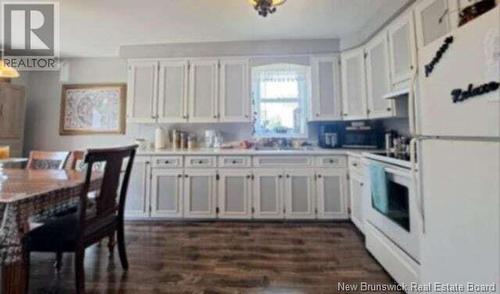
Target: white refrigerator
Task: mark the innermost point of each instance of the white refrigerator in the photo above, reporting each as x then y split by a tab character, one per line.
458	154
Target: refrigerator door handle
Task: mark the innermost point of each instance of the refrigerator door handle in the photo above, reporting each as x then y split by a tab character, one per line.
411	102
415	184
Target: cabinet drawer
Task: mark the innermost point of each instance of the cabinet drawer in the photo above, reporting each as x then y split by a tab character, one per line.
331	161
235	161
167	162
355	165
201	161
272	161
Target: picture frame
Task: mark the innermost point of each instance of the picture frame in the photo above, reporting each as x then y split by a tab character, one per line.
90	109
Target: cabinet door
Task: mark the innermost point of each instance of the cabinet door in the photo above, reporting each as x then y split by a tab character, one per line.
402	50
199	193
173	90
268	194
299	194
234	194
356	192
12	108
166	192
331	189
377	77
137	202
353	84
203	91
234	95
325	100
142	91
432	20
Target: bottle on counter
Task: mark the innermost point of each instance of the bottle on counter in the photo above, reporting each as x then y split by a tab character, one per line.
176	140
191	143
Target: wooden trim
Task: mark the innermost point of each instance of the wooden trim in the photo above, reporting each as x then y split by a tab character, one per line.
122	123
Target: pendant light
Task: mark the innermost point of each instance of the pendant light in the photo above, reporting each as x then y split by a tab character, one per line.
265	7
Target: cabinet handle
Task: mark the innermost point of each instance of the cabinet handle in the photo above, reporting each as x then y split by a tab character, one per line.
167	162
179	176
361	184
344	114
246	115
215	116
389	109
280	176
332	161
354	164
319	176
317	114
186	176
287	176
248	176
200	162
234	161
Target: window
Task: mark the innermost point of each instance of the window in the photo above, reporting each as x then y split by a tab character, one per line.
280	94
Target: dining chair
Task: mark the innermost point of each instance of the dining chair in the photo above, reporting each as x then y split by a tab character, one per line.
74	158
75	232
47	159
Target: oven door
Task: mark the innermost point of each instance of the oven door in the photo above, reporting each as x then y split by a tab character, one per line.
400	222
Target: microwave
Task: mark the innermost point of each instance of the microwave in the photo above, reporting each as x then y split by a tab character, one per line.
352	135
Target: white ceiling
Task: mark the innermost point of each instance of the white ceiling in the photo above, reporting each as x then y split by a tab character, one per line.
99	27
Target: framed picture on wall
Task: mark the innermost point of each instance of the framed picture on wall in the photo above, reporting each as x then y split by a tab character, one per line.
92	109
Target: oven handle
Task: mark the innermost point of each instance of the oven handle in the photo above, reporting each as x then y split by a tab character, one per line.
396	172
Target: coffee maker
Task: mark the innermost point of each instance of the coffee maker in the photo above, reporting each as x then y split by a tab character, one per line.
330	135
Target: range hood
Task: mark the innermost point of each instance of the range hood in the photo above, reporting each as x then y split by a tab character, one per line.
402	93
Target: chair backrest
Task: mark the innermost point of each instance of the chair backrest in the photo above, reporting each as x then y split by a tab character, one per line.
47	159
106	200
73	159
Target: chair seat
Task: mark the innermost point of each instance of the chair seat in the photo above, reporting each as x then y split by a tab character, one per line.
59	235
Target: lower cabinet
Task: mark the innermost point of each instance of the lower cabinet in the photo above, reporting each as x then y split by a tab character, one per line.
268	194
331	189
234	193
299	194
356	186
137	202
166	193
200	188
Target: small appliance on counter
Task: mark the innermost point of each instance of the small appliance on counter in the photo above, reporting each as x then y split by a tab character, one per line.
353	135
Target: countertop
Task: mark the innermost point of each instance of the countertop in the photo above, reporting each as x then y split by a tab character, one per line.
305	151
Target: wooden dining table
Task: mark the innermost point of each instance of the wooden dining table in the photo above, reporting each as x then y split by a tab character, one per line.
25	195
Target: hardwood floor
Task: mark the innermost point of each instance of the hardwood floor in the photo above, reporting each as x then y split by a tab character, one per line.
221	257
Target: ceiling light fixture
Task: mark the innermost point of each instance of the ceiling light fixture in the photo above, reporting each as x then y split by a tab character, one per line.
265	7
7	72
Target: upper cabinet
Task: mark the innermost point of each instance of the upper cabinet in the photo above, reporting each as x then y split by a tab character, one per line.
234	92
201	90
377	77
402	50
353	84
432	20
326	98
173	91
142	91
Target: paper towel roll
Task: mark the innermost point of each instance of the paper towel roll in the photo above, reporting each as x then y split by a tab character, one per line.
159	138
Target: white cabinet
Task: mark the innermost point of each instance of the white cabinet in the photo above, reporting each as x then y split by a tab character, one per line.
203	91
331	189
299	194
356	185
234	92
402	50
173	91
377	77
326	96
142	91
432	20
137	202
234	193
200	188
166	193
268	193
353	84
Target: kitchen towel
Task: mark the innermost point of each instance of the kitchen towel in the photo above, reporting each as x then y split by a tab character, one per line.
378	181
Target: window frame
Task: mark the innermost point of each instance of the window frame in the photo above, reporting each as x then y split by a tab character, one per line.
303	100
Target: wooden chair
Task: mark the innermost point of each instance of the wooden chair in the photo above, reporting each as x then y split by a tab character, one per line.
47	160
76	232
73	159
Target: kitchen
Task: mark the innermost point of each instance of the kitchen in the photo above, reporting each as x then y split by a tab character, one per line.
380	135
